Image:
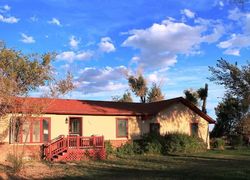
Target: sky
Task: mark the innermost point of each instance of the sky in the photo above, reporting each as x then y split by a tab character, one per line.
100	42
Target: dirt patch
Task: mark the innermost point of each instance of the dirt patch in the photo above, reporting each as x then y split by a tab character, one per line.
32	170
39	170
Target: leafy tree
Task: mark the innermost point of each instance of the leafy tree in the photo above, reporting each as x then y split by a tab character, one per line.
138	86
202	94
194	96
191	96
235	80
21	74
63	86
126	97
235	106
25	72
155	93
228	114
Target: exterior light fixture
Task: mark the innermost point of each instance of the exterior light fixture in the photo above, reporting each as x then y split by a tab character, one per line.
66	121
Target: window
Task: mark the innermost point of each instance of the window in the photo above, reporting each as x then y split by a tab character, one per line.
122	127
34	131
75	126
36	137
154	128
194	129
15	126
45	130
26	127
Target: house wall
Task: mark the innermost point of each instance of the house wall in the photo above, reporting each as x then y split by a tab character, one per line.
178	118
96	125
4	131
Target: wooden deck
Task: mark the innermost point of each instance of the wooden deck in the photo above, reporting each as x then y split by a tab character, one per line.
72	148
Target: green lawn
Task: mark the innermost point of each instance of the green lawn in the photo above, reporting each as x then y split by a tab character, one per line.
227	164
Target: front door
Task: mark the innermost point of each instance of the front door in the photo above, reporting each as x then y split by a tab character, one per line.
75	126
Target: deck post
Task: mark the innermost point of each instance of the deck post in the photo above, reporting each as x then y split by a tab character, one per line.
102	141
67	141
94	141
77	142
50	152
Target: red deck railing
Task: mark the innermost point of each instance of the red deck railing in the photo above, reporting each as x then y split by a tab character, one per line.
63	143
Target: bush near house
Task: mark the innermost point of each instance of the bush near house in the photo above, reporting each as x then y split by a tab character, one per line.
167	144
236	141
16	162
151	143
130	148
109	148
219	143
183	143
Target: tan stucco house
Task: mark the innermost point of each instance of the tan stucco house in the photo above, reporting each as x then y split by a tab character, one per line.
117	122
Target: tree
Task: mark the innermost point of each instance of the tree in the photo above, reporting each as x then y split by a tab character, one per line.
235	80
155	93
228	114
19	75
202	94
24	72
191	96
138	86
236	104
62	86
126	97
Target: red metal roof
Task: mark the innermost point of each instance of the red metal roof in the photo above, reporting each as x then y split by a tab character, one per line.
87	107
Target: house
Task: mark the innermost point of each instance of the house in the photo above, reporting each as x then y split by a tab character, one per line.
117	122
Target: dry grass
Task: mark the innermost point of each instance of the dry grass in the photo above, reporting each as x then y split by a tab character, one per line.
228	164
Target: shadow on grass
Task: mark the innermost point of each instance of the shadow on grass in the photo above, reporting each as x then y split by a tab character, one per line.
163	167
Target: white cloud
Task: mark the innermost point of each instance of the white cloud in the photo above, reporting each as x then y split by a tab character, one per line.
6	7
218	30
27	39
70	56
108	79
153	77
161	43
235	14
235	52
33	18
106	45
188	13
10	20
73	42
55	21
221	4
236	42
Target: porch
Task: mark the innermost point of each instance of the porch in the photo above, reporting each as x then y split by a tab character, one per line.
74	147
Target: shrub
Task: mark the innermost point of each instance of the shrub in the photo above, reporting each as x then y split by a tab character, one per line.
16	162
153	148
109	148
236	141
171	143
183	143
219	143
130	148
151	143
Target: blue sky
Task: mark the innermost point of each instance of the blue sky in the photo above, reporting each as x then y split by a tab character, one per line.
100	41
